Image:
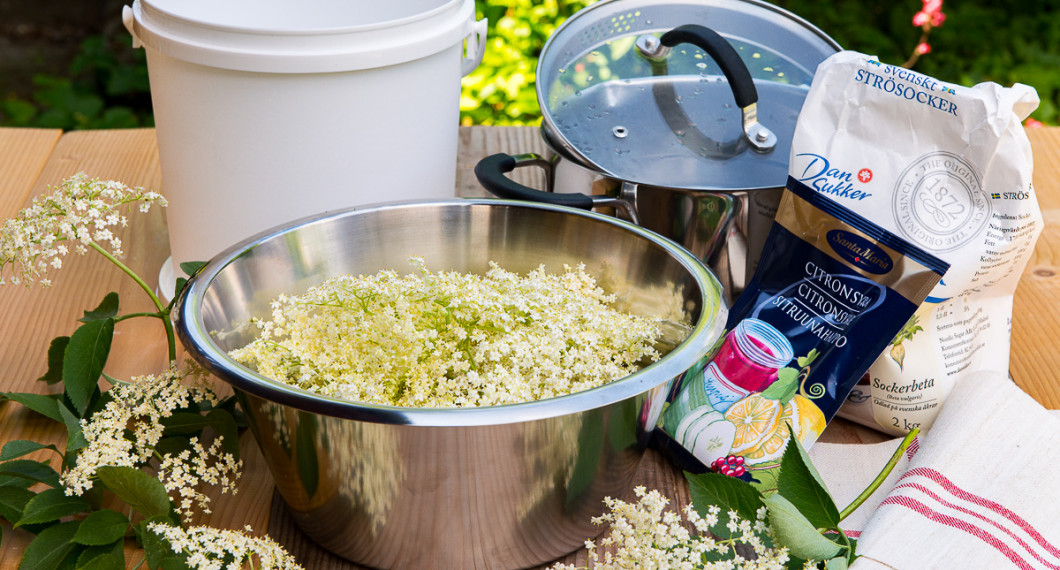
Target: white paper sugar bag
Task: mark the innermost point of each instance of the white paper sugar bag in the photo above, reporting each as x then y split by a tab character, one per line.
948	168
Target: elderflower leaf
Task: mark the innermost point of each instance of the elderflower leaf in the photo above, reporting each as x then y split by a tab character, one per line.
51	505
795	531
51	546
43	404
84	359
191	267
29	470
728	493
172	445
102	557
837	563
56	350
75	435
183	423
19	447
801	484
13	501
102	528
144	493
107	309
226	427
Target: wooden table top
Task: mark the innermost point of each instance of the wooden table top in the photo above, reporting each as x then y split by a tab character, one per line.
32	160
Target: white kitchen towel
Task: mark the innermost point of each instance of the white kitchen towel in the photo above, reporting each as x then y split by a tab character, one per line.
981	491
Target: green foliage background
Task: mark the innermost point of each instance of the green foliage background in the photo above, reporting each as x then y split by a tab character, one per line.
981	40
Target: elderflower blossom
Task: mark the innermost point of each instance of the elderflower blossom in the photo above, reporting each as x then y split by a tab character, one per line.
647	535
216	549
126	431
183	473
79	213
450	339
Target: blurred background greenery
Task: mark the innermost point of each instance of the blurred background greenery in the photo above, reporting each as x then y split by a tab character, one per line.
104	82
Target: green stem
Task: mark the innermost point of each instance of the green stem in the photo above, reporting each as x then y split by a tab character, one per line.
882	476
163	312
134	315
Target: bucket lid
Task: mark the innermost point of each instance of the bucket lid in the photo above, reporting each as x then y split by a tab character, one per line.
280	36
681	116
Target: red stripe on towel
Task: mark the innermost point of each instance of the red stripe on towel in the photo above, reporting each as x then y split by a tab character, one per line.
998	508
959	524
1030	549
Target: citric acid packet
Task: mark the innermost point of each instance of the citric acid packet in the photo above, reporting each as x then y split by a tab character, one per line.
947	168
830	292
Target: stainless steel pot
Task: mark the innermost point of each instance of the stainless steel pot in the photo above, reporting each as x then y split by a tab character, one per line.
494	487
726	230
678	114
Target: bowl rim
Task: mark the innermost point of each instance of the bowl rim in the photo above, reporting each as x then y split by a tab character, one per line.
200	345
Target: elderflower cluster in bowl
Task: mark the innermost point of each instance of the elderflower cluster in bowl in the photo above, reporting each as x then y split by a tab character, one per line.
451	339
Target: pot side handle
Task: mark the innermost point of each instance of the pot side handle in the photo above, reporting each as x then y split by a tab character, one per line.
491	171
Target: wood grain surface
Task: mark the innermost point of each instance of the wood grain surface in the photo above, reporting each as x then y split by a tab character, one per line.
1035	359
32	160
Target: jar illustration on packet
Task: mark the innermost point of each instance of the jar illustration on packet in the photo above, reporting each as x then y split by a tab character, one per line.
746	363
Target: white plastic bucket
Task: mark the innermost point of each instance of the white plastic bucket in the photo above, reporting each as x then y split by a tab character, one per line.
270	110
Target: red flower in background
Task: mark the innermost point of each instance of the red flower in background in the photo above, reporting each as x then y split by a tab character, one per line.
930	16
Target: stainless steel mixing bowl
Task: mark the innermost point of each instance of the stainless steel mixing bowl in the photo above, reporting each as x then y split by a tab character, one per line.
497	487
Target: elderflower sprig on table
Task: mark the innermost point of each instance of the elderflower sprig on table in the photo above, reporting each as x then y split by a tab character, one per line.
792	526
79	215
154	441
213	549
650	536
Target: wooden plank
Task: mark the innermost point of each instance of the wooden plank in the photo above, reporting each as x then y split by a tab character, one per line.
23	153
1035	356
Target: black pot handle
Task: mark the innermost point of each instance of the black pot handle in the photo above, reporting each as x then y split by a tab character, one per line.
491	171
740	81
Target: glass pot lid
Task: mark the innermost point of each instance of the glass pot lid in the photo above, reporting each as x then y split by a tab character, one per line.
693	94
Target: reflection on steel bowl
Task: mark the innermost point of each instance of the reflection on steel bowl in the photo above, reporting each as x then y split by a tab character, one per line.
500	486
